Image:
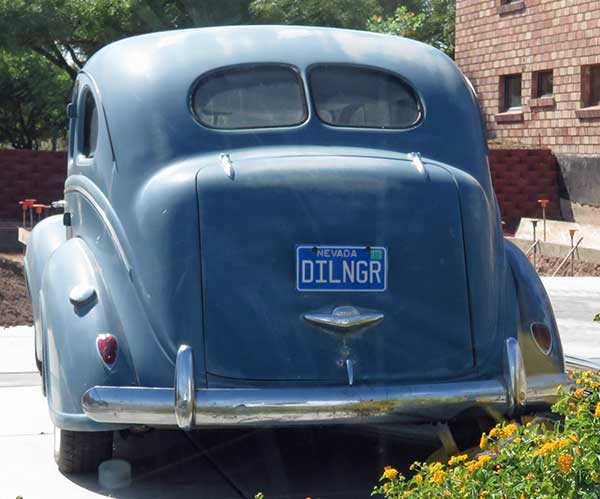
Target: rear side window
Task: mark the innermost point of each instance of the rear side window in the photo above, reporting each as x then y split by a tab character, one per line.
250	97
90	126
353	96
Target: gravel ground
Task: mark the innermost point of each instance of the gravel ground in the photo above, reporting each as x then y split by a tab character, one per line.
15	309
547	264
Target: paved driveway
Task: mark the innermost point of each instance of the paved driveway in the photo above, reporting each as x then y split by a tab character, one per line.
292	463
575	301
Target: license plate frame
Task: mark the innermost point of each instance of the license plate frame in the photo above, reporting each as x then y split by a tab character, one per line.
327	272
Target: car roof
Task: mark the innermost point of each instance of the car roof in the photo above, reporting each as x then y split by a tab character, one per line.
144	84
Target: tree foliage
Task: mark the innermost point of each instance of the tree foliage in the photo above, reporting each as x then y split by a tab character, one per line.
68	32
51	39
431	21
333	13
32	99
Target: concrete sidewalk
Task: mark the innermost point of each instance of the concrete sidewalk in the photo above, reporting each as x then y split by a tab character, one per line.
576	300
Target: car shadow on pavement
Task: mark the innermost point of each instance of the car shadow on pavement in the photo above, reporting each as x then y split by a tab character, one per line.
321	462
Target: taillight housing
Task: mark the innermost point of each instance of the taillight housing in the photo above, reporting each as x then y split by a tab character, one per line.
107	348
542	337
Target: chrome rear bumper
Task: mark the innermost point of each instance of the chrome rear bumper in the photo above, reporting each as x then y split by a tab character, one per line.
188	407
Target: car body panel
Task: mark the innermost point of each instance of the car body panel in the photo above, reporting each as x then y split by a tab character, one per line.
188	236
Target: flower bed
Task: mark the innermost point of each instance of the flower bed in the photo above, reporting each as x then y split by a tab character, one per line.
549	460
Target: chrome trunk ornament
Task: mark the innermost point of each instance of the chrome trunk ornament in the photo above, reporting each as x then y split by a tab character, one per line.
345	317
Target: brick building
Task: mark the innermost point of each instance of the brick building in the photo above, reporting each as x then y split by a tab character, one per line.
536	67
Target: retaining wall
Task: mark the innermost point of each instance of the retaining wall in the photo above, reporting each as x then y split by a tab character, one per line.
521	177
30	174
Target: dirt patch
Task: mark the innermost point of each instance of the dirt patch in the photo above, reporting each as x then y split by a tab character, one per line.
546	265
15	309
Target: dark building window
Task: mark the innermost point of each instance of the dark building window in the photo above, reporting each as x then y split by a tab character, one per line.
511	93
543	84
590	85
506	2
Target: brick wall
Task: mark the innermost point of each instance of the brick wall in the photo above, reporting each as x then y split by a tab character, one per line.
523	37
30	174
521	177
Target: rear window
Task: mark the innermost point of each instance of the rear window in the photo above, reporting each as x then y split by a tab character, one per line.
354	96
250	97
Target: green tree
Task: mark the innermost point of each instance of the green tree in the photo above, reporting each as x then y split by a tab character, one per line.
68	32
432	22
334	13
32	99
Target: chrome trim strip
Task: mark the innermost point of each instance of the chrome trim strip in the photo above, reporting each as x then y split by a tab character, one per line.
516	382
350	371
105	220
345	317
185	390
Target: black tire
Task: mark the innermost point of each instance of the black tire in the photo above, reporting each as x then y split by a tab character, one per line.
38	363
81	451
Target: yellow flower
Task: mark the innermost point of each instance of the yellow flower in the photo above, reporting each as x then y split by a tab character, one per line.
476	465
597	411
565	461
390	473
517	440
579	392
457	459
436	466
447	493
483	442
509	430
438	477
529	476
553	445
495	432
419	479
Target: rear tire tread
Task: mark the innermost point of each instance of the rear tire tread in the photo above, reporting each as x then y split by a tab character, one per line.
81	452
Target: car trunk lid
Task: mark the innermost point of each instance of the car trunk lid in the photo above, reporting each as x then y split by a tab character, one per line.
255	214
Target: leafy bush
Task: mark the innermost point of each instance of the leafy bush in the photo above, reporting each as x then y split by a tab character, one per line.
551	460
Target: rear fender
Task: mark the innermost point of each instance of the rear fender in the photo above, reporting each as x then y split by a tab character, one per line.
45	238
72	362
533	307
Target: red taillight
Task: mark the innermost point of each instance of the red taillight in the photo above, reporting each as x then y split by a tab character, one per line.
543	338
107	348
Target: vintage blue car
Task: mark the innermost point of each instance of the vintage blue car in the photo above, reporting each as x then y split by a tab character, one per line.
280	225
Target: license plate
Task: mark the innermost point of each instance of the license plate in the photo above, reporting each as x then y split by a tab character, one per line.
341	268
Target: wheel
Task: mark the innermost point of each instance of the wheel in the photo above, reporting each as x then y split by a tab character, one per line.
81	451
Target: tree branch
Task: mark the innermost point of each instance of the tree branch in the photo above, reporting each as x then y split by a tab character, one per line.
73	55
60	62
